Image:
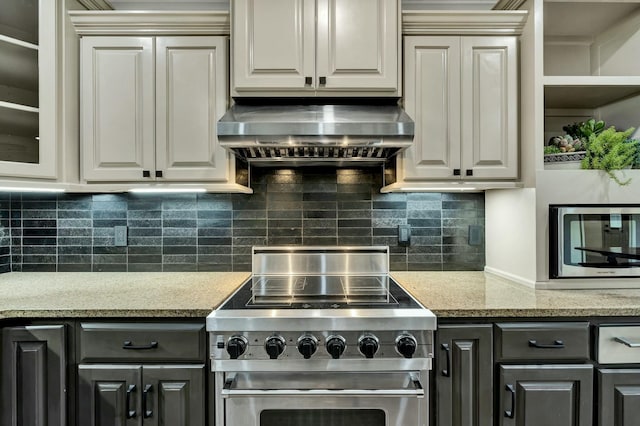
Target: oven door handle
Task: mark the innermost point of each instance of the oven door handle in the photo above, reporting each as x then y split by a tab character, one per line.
264	393
228	392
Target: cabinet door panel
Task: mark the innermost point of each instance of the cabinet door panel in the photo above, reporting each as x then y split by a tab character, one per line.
176	395
33	377
191	96
464	385
619	397
273	44
432	99
489	107
358	44
117	99
109	395
558	395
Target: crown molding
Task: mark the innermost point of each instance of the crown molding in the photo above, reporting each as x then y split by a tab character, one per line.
95	4
150	22
509	4
451	22
447	4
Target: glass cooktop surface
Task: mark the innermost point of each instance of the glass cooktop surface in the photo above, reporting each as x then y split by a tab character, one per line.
320	292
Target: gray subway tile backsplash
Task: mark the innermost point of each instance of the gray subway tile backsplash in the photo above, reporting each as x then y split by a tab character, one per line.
215	232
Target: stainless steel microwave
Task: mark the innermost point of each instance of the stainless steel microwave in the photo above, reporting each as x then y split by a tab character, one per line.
594	241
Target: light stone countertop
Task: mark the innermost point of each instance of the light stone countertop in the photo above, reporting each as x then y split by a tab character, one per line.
478	295
196	294
114	294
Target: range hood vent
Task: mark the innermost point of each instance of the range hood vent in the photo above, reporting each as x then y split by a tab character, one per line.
303	135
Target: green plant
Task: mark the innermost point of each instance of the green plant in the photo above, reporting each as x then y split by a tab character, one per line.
611	150
584	129
552	149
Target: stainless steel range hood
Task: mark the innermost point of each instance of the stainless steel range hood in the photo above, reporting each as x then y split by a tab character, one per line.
299	135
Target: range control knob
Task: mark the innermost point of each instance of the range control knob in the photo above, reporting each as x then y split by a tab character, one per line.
368	345
274	346
307	345
406	345
236	346
336	346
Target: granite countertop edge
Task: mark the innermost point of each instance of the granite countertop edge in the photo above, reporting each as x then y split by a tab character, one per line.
449	295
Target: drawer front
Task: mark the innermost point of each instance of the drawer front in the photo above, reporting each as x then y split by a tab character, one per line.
142	342
618	344
542	341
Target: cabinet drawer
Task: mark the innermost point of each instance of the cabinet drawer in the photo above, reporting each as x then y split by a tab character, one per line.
542	341
142	342
618	344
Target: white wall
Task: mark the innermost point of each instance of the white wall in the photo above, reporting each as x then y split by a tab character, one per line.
510	229
623	115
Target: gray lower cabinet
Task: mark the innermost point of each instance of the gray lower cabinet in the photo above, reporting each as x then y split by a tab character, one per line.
150	395
618	397
549	395
34	376
464	375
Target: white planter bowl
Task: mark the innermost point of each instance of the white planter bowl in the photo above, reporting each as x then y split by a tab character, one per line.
563	161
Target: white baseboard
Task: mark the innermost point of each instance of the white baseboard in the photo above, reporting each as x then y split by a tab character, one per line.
588	284
510	277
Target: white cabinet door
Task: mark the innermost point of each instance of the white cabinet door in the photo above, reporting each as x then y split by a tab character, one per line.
432	99
273	44
489	107
357	45
191	94
117	108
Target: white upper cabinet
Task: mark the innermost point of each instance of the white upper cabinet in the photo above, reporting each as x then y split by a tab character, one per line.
462	93
315	47
38	97
150	106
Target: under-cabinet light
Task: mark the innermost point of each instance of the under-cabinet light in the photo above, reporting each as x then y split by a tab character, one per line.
29	189
166	190
441	189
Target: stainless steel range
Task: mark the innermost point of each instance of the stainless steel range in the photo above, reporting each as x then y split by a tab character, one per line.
321	336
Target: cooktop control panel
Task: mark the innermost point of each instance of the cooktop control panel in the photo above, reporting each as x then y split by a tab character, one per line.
326	345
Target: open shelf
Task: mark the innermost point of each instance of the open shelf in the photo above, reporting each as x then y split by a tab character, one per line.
18	133
566	18
591	38
18	120
18	72
588	92
19	19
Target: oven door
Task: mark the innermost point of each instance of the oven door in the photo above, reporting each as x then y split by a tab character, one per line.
325	399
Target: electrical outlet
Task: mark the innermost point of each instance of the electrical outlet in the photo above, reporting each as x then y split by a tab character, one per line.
404	235
475	235
120	238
